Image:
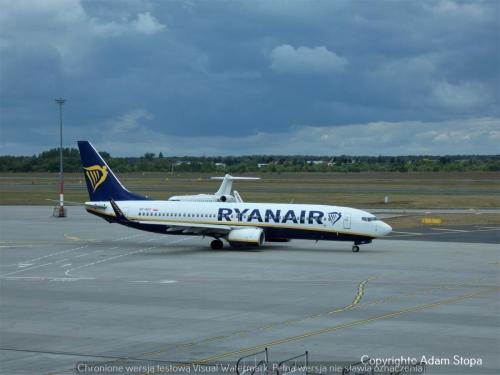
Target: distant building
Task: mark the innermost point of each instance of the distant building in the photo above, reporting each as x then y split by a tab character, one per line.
182	162
260	165
220	165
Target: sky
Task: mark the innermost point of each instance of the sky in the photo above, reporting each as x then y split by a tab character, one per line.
251	77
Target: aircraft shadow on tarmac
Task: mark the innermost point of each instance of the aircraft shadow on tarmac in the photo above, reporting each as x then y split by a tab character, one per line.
323	250
189	249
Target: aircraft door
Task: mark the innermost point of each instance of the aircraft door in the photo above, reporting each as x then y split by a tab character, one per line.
347	222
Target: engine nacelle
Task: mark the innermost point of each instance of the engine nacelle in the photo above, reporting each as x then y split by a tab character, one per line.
246	236
276	239
226	198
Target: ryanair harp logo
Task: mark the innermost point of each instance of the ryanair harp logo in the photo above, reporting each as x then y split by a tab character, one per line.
334	217
96	175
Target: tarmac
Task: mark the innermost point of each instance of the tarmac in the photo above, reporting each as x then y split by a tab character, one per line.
78	291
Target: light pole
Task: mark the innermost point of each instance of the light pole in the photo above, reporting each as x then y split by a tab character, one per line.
61	211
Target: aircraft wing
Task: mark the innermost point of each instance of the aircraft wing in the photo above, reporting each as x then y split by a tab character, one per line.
191	227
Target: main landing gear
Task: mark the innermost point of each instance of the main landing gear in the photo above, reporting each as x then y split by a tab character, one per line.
355	248
216	244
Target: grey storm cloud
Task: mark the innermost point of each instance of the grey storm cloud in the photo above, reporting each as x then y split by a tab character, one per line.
222	77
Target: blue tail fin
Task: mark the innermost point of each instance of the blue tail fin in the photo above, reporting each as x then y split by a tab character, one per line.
102	184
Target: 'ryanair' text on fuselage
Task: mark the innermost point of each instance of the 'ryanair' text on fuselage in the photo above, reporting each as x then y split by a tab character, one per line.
271	216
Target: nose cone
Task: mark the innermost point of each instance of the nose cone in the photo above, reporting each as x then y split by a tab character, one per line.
384	229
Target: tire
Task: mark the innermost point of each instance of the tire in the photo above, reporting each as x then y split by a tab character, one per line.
355	249
216	244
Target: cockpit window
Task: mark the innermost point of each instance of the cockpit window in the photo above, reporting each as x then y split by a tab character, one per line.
371	218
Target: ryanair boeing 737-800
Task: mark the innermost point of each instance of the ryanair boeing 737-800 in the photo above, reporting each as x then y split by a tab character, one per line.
237	223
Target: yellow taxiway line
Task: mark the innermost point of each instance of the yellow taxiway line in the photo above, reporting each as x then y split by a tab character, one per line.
347	325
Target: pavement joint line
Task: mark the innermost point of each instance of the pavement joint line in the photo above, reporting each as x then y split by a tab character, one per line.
53	254
68	271
453	230
348	325
26	269
71	278
410	233
438	233
14	246
73	238
73	249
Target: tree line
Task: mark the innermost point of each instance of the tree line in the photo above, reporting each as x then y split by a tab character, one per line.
48	161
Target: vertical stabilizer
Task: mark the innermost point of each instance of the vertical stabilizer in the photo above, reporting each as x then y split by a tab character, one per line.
102	184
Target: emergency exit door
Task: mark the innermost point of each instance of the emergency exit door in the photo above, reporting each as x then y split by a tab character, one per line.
347	222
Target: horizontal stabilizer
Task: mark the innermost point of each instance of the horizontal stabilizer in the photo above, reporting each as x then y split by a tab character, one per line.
229	177
227	183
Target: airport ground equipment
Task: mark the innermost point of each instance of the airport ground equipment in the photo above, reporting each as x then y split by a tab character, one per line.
252	364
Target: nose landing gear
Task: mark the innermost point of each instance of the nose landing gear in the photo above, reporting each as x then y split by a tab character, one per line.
361	241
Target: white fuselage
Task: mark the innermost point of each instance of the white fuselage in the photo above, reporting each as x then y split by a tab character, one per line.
288	220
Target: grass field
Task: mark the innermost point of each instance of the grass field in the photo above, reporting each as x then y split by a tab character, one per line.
405	190
362	190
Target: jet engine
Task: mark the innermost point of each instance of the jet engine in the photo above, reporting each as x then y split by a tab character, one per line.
246	236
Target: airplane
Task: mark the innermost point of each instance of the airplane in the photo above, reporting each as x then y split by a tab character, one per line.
222	195
239	224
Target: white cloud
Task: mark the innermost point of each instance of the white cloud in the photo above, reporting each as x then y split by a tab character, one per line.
67	27
130	122
462	96
398	70
317	60
450	8
468	136
147	24
128	135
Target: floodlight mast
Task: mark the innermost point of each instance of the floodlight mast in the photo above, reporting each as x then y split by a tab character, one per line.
62	213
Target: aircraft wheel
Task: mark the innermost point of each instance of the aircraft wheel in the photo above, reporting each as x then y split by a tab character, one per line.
216	244
355	248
